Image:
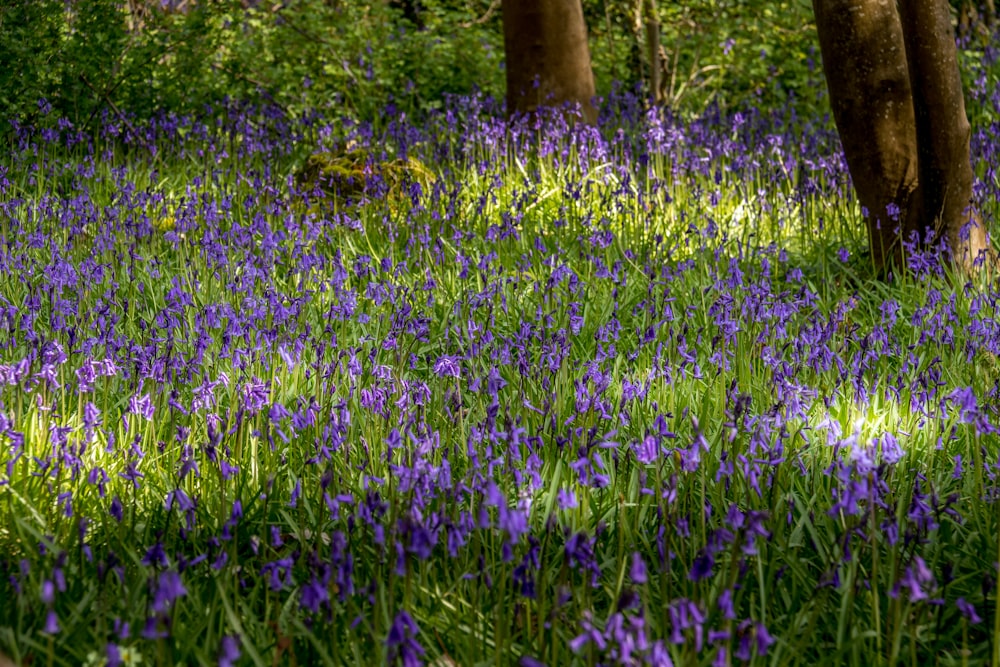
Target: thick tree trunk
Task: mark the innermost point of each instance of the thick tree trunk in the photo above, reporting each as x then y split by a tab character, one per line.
896	92
548	59
943	131
861	42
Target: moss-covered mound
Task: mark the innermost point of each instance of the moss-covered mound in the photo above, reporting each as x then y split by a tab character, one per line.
355	176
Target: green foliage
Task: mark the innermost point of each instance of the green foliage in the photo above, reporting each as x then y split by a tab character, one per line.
95	54
30	33
767	56
733	53
84	57
360	57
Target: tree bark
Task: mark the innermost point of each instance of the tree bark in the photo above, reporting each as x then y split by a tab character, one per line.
861	42
653	50
548	59
943	131
896	94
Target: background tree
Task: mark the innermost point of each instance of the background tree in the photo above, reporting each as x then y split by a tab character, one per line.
976	18
548	59
896	94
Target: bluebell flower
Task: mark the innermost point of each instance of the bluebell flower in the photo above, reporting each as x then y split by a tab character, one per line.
404	649
447	366
168	588
702	566
637	572
51	626
142	406
968	611
229	651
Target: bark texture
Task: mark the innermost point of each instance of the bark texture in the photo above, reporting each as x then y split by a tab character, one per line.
548	59
942	127
653	50
896	94
866	73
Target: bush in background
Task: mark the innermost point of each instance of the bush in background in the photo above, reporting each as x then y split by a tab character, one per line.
134	57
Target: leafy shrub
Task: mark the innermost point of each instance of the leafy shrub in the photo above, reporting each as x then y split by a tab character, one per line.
729	53
370	60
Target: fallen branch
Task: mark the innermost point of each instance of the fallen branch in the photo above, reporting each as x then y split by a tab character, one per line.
484	18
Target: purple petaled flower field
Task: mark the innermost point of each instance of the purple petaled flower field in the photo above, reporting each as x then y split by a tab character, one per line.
485	393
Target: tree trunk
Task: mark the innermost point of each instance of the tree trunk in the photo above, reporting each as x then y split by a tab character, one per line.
861	42
896	94
548	59
943	131
653	50
965	9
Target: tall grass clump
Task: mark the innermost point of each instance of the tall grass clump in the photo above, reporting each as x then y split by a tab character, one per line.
615	395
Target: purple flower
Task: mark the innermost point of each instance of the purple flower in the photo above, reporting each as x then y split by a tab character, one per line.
181	499
141	405
590	634
48	592
152	631
726	604
91	415
494	382
403	647
122	629
968	407
702	566
156	556
514	521
764	639
447	366
229	651
114	655
51	623
566	499
686	615
918	580
659	656
168	589
274	571
255	396
968	611
891	451
638	570
313	595
647	451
